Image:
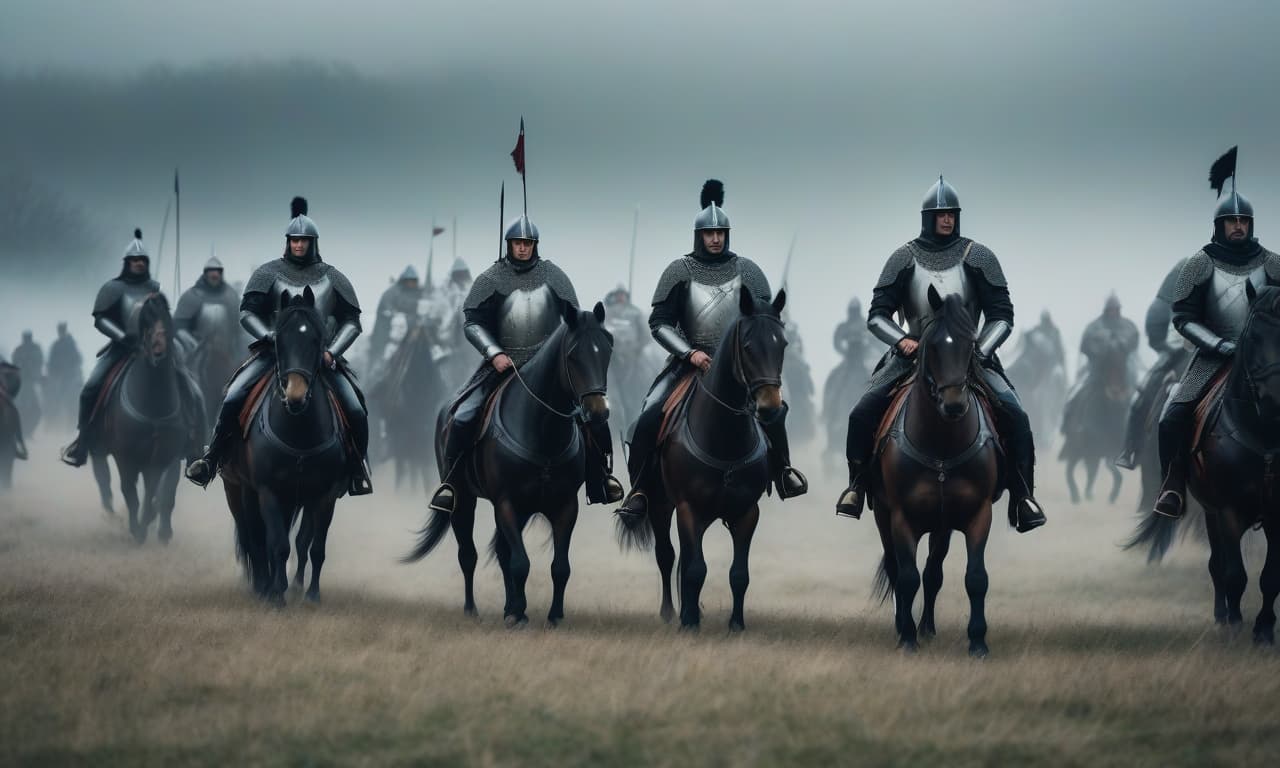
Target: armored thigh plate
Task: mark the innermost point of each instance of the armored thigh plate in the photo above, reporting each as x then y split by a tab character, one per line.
528	317
709	311
1228	306
946	281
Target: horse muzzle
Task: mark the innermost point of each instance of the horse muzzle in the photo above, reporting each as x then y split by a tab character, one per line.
595	405
768	396
296	392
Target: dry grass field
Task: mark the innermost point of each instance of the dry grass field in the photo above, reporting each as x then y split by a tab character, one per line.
115	654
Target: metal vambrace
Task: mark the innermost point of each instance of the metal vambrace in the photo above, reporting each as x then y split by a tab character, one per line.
884	329
344	337
993	335
109	329
1201	336
482	340
671	340
255	325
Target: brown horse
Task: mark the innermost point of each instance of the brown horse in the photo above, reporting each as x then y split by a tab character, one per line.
714	460
937	473
1234	469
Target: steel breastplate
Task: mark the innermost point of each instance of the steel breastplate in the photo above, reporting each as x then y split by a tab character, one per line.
212	318
131	301
946	281
528	317
326	298
710	310
1227	305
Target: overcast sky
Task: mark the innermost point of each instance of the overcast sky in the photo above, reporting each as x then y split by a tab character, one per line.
1078	134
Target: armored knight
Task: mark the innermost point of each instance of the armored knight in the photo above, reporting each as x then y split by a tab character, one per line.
1210	307
694	304
628	371
115	315
512	309
1171	357
298	268
63	378
207	311
952	264
1104	337
398	301
447	319
30	359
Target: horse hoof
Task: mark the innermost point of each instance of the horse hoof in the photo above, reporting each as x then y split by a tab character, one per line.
979	651
470	610
667	613
736	627
313	596
554	622
909	647
165	536
276	600
1266	637
927	632
692	628
515	622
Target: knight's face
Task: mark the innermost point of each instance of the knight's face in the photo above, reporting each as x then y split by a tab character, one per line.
944	223
521	250
1236	228
138	266
213	277
299	247
411	283
713	240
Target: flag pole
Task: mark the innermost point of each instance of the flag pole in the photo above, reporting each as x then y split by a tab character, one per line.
631	266
177	239
431	251
502	202
164	227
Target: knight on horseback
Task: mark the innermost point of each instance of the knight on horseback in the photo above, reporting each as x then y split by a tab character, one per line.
693	305
207	310
513	307
1170	358
941	258
298	268
116	315
1104	336
1210	307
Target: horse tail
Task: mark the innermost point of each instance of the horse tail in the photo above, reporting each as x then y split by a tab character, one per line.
431	535
634	532
881	587
1157	533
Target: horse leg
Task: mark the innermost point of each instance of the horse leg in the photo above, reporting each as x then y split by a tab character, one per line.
253	539
1264	628
502	552
1071	480
561	532
1217	572
976	581
463	523
321	514
302	545
665	554
1091	476
166	500
693	566
510	528
907	582
1234	573
1116	481
274	513
742	530
102	474
939	544
129	489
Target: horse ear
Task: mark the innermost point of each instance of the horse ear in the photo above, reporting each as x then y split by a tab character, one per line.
308	297
746	302
935	300
570	315
780	300
284	299
598	311
1250	292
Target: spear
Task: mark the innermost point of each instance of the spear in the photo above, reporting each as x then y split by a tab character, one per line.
786	267
502	202
631	267
164	227
177	238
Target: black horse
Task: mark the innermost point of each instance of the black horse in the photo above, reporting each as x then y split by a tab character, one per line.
530	460
1093	425
293	458
1234	470
1042	384
938	472
714	460
409	387
147	425
12	446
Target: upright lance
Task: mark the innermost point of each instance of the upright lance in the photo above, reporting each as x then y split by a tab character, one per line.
786	267
631	267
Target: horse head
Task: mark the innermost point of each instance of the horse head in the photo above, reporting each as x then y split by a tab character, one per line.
759	340
156	328
299	347
585	351
946	354
1258	353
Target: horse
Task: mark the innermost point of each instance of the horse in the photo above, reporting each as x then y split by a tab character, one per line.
292	460
1233	469
937	471
145	426
530	459
213	362
1093	426
840	392
713	460
411	385
12	446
